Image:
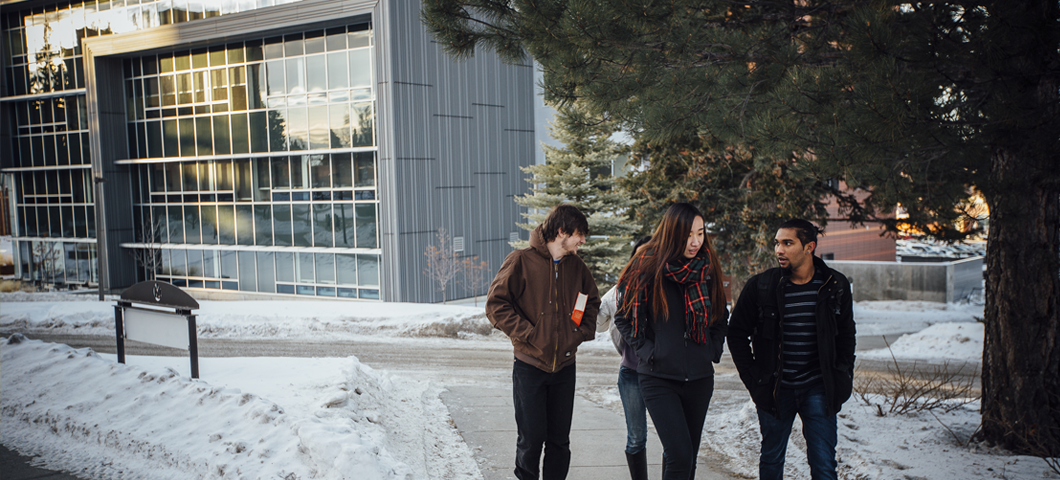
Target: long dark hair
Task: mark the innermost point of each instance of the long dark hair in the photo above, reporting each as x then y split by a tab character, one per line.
667	244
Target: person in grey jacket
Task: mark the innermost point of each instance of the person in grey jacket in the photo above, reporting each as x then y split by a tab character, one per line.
628	385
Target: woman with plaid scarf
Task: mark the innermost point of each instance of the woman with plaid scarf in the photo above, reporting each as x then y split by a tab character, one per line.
672	311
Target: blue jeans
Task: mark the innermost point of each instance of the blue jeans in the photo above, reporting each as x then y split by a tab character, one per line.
818	428
544	405
636	413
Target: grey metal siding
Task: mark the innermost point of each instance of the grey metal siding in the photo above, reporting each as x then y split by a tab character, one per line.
461	130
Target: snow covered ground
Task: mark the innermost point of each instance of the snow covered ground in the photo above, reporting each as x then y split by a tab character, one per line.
338	418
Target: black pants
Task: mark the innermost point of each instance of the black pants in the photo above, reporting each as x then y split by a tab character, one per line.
544	403
678	410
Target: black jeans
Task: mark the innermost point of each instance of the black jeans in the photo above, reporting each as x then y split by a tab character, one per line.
544	404
678	409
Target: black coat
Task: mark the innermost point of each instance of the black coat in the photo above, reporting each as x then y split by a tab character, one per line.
755	336
664	350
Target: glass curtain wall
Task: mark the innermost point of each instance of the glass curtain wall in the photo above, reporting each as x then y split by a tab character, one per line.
44	102
267	143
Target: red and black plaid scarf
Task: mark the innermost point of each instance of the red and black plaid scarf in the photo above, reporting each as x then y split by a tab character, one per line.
694	275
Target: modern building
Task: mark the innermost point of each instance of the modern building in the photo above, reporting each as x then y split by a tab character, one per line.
249	147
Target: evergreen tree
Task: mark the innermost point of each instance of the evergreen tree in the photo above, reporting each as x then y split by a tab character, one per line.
580	174
742	195
917	102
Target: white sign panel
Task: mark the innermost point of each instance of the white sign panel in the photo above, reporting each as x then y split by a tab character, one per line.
159	328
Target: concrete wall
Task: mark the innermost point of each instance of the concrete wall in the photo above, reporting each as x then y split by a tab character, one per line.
932	282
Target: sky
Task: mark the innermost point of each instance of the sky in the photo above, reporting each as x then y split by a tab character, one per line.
79	411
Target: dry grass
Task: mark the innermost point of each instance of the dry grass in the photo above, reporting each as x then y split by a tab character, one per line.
8	286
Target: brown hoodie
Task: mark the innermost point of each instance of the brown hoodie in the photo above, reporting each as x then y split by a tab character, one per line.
531	300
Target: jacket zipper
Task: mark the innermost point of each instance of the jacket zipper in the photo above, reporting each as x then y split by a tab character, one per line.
555	309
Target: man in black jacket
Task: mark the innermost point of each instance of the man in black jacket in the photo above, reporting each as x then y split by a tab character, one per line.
791	336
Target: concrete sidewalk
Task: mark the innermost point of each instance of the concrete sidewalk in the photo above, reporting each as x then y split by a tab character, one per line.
485	418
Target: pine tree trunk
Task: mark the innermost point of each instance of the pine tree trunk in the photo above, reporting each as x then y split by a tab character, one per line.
1021	351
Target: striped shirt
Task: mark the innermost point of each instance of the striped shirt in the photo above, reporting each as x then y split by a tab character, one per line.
802	365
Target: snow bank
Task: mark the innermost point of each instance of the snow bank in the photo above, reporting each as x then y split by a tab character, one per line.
69	314
100	419
962	342
916	446
893	316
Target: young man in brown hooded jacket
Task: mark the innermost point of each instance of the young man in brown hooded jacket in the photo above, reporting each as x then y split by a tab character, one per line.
545	299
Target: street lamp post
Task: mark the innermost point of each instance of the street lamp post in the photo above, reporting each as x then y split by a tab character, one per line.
101	237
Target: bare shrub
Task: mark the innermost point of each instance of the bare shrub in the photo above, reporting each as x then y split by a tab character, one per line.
916	388
442	264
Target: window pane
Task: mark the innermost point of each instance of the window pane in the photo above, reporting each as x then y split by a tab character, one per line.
346	266
366	237
228	264
299	171
275	74
154	139
192	225
344	225
342	172
205	174
322	225
365	165
244	225
282	217
368	270
300	221
304	267
195	263
187	136
209	224
210	267
281	173
361	117
259	130
263	225
170	138
277	132
339	124
361	68
179	258
319	133
320	171
223	169
221	142
247	274
337	71
256	88
176	224
297	128
204	136
226	225
167	263
317	73
264	186
296	76
266	279
240	137
325	268
244	181
285	267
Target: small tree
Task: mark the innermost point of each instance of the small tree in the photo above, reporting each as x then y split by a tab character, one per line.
442	263
150	256
476	275
580	174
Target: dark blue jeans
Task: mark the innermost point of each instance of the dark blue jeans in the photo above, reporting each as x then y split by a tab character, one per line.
678	409
544	404
633	404
818	428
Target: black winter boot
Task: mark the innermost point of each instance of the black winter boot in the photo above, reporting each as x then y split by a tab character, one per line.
638	465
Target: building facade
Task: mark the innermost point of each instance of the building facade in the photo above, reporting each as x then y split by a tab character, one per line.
254	147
